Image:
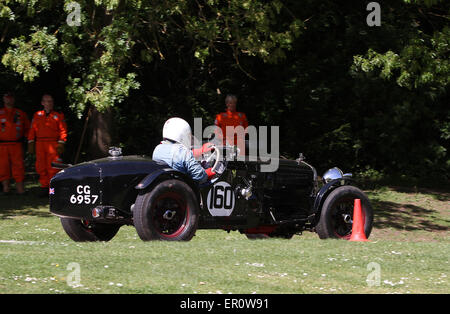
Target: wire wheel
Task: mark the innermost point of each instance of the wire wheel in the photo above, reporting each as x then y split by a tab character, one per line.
336	216
170	215
167	211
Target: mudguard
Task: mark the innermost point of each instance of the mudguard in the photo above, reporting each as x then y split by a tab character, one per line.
326	189
149	179
170	173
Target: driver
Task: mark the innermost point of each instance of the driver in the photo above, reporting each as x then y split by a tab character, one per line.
175	151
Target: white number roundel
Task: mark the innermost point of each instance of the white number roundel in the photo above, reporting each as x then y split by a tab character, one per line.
221	199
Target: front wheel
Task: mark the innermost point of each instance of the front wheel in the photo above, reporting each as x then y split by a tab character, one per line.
85	231
336	217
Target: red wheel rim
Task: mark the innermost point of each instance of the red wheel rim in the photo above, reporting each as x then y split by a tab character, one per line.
170	215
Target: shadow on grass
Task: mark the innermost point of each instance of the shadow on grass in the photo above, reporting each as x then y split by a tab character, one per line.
407	217
440	195
28	204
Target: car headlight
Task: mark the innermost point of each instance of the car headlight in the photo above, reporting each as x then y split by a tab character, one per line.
332	174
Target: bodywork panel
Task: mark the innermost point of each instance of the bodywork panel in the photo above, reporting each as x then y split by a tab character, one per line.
241	197
112	179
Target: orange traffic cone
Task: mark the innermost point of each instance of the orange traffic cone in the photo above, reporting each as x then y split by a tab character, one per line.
358	223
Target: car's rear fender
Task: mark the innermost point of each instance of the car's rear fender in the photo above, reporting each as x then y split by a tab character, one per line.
164	174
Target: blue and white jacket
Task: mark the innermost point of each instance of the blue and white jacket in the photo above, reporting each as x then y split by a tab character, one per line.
179	157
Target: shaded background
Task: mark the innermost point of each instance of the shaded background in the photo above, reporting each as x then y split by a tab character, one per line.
328	106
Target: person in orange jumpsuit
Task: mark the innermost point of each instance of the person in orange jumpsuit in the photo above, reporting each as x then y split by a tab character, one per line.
14	125
232	118
47	136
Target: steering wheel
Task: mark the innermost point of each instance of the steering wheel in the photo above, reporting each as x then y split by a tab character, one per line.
215	154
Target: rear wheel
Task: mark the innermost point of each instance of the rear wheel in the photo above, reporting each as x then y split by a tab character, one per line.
336	217
83	230
168	212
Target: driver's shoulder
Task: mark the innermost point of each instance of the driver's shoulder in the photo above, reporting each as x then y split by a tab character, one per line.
181	153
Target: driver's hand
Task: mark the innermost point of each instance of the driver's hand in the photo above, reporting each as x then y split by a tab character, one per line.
210	173
207	147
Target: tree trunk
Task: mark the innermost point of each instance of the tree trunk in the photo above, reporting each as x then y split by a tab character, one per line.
100	133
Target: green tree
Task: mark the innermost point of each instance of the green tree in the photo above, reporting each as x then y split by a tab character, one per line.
101	56
343	93
112	34
416	68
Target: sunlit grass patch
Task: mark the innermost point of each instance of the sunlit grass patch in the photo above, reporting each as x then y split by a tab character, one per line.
36	254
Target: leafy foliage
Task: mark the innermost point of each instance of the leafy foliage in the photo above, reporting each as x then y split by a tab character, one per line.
28	56
343	93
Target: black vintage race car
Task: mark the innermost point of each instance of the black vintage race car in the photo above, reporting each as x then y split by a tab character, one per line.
94	199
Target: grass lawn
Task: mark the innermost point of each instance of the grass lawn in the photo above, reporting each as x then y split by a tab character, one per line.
408	253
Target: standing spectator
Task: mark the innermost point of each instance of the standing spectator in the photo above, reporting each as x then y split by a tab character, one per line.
232	118
14	127
47	136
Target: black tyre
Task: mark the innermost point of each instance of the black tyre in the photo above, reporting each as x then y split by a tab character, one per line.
83	230
337	213
169	212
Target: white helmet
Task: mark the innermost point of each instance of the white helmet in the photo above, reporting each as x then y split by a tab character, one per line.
178	130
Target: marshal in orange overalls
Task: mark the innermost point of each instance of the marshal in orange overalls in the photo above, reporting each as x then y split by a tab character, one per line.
14	125
232	119
47	130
